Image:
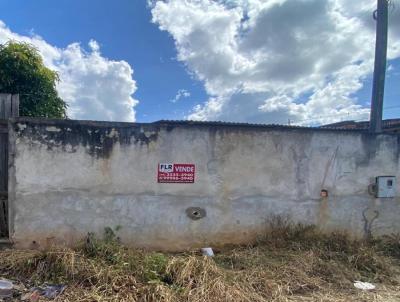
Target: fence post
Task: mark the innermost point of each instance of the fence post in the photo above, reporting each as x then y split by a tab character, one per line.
9	107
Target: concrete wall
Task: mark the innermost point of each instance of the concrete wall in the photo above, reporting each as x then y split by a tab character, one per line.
68	178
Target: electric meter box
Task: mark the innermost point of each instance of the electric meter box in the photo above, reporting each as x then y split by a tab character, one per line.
385	186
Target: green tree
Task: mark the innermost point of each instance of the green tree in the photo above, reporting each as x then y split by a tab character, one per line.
22	71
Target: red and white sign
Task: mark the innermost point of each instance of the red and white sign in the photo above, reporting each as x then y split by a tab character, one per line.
176	173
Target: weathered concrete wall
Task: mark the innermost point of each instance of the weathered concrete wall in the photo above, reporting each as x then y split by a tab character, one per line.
68	178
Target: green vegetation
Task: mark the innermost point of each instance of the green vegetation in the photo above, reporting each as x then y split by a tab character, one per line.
288	263
22	72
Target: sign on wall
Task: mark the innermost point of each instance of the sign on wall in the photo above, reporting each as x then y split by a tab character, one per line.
176	173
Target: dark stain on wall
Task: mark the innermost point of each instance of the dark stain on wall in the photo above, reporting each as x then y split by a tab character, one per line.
398	146
98	138
370	147
372	143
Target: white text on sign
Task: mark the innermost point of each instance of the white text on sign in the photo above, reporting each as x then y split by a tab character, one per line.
176	173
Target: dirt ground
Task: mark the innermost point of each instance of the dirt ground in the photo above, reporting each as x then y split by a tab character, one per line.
288	263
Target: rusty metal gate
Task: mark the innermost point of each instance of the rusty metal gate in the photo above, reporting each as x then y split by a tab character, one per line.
9	107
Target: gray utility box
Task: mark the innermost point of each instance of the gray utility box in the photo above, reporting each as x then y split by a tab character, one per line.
385	186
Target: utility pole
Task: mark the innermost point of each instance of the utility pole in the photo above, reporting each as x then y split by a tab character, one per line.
381	17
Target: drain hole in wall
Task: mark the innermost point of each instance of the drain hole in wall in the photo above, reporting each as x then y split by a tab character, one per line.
324	193
195	213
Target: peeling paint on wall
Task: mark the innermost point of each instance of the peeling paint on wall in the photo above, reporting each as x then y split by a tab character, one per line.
98	140
69	178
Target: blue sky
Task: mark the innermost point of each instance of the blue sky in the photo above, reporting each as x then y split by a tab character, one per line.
169	55
124	31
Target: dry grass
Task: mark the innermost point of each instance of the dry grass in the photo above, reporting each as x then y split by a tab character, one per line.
289	263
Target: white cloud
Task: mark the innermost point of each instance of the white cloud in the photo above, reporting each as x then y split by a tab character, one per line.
274	60
182	93
94	86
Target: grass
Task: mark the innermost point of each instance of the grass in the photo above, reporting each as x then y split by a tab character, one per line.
288	263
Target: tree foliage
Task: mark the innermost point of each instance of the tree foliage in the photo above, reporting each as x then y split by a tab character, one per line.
22	72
